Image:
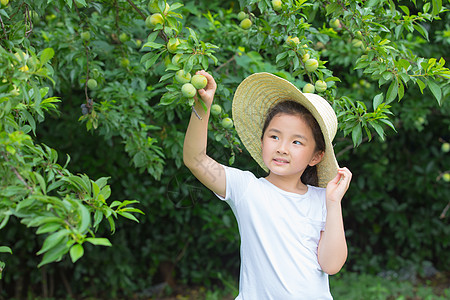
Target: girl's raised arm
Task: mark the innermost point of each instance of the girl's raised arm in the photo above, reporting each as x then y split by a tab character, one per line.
207	170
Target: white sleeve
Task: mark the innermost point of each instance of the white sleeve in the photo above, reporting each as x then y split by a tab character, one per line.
237	182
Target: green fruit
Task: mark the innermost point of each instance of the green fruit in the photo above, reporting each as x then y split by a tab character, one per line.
124	62
311	65
188	90
335	23
172	45
241	15
308	88
85	35
123	37
154	20
4	2
357	43
138	43
227	123
292	41
305	57
276	4
92	83
321	86
176	60
216	109
446	177
358	34
199	81
445	147
246	23
182	77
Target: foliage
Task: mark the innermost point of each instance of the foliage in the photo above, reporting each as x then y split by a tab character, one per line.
135	117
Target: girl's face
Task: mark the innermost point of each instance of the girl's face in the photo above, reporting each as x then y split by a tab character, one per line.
288	146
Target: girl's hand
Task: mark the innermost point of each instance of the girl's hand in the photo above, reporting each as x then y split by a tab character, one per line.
207	94
337	187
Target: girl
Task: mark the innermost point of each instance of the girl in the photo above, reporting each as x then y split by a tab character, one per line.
290	222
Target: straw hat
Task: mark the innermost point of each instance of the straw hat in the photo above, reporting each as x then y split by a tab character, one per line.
258	93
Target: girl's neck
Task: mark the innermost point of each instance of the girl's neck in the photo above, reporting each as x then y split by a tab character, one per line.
288	184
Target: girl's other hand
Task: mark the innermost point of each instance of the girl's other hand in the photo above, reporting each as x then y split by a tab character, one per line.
337	187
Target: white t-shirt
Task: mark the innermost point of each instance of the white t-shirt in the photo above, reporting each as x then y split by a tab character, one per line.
280	232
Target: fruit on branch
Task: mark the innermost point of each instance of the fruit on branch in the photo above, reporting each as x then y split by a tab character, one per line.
305	57
154	20
308	88
92	83
85	35
216	109
292	41
335	23
241	15
172	45
188	90
445	147
311	65
176	59
124	62
199	81
4	2
227	123
276	4
246	23
321	86
357	43
182	77
123	37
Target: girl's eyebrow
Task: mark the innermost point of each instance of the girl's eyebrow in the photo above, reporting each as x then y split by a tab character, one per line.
298	136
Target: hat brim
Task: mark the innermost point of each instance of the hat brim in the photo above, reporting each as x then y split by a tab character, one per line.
257	94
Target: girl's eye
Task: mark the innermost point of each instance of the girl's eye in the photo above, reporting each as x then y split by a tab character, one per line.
297	143
274	137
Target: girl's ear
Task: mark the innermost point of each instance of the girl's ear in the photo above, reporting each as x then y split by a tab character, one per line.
317	158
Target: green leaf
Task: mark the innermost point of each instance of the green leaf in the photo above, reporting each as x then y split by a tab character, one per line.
99	241
357	135
401	90
53	240
152	61
392	92
377	100
76	252
128	216
5	249
436	90
85	218
422	31
421	85
54	254
46	55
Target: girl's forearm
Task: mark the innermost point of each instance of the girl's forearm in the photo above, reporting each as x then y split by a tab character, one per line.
195	140
332	252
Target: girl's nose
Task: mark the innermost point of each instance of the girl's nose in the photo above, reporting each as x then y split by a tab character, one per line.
282	148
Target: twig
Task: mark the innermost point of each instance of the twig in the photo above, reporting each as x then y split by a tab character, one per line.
226	63
350	147
17	173
3	27
444	212
137	9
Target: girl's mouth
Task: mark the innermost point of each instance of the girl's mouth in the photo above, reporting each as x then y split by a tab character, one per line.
280	161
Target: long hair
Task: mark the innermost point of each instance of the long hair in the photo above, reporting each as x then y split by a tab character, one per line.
289	107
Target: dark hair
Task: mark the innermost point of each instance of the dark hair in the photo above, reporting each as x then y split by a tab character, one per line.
290	107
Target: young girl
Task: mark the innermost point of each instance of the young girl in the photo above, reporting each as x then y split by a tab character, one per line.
290	222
